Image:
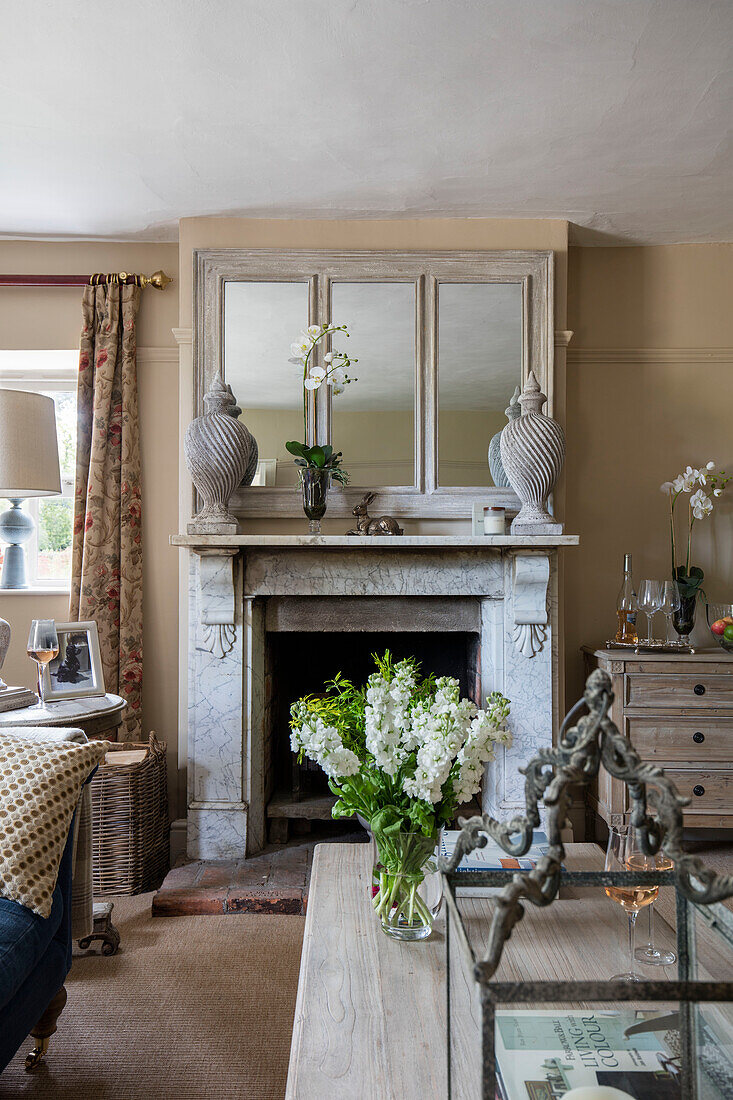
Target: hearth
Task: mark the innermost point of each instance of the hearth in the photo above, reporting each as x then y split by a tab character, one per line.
482	608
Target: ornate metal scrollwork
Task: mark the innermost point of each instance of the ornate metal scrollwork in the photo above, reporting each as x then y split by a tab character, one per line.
582	748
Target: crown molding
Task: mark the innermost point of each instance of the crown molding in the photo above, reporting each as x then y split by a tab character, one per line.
650	355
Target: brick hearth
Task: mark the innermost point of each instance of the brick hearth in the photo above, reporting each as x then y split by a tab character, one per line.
276	881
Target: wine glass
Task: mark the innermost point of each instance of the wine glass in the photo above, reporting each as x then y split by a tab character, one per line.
650	601
624	854
649	953
671	602
43	646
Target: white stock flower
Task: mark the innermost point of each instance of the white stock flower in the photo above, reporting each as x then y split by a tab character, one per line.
323	744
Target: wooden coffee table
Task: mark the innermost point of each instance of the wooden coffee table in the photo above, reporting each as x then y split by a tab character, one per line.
370	1017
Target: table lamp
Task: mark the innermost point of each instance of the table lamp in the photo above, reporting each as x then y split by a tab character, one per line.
29	467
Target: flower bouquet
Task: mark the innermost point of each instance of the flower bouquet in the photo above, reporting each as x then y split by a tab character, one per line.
403	753
689	578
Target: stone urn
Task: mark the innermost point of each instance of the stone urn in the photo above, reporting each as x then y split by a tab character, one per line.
221	455
496	466
532	453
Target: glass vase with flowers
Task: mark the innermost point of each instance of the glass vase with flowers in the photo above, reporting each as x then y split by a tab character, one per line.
318	464
700	487
403	752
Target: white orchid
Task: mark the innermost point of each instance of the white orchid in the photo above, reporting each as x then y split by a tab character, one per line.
335	362
701	504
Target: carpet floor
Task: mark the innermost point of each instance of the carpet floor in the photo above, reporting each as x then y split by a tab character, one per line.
189	1008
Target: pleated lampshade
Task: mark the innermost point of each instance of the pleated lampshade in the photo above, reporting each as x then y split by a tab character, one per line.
29	457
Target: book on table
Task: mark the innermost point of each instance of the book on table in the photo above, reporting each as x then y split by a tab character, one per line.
542	1054
491	858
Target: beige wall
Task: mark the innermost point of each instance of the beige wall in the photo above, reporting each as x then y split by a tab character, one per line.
649	390
49	317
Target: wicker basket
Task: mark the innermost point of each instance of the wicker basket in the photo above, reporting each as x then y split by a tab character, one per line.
130	819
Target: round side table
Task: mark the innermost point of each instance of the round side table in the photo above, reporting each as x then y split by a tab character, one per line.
100	716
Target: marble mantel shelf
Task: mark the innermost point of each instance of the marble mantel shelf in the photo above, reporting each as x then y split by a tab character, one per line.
401	542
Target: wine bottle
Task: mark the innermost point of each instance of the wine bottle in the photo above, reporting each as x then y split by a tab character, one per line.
626	607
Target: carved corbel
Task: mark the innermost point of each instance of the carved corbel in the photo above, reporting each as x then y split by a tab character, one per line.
216	594
531	576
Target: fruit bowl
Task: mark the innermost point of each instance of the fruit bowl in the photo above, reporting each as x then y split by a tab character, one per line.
720	621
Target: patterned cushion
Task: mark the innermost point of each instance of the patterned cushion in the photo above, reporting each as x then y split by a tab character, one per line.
40	783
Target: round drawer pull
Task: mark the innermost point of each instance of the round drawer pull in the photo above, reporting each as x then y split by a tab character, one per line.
699	689
698	789
698	738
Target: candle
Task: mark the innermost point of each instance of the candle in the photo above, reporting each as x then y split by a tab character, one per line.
494	523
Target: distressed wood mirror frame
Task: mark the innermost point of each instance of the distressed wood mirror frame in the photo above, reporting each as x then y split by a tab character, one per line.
425	499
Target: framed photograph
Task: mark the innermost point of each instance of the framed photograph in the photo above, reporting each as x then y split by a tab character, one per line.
77	670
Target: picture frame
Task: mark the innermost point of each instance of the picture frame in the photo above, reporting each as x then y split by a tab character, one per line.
76	672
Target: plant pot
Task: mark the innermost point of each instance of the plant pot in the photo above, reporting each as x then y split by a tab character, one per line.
407	890
683	620
314	486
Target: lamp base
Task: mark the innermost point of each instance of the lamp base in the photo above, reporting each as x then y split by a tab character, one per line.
16	527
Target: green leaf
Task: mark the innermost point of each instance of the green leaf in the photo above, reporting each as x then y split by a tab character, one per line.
295	448
316	457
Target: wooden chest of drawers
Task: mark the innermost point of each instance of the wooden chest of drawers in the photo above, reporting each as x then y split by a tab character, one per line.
677	710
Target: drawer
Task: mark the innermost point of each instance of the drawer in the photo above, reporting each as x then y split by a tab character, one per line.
709	792
695	692
688	740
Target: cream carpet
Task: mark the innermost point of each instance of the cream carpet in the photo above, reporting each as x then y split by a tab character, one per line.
190	1007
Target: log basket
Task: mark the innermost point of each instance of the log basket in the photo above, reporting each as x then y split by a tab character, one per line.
130	820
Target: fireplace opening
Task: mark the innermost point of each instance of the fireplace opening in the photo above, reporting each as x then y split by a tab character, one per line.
301	663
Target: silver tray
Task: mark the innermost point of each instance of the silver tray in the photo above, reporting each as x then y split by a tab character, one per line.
657	645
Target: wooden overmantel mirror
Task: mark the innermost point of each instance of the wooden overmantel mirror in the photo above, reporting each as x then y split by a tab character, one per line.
442	340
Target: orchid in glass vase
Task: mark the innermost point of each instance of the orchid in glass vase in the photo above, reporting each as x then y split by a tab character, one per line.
700	487
317	464
403	753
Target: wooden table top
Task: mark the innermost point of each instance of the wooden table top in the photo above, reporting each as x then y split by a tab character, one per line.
370	1018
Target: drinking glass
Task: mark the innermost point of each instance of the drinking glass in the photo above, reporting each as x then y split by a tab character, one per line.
650	954
671	602
43	646
650	601
624	854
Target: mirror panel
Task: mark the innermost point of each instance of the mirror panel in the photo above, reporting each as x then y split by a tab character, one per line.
480	327
373	420
261	320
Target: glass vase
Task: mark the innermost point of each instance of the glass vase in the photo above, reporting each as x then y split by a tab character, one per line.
314	485
407	890
684	618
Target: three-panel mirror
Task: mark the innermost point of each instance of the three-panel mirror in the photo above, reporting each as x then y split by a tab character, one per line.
442	342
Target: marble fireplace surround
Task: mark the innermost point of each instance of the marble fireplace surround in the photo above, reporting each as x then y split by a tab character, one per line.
503	588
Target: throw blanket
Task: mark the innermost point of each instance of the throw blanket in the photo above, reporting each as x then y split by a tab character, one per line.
81	902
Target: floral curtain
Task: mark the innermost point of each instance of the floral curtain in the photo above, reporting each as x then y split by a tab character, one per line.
107	558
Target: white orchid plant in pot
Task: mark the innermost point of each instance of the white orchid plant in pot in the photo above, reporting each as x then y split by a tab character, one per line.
403	753
700	488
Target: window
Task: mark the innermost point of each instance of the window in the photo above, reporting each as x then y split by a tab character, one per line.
53	373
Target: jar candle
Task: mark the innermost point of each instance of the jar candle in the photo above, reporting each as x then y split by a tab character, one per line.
494	522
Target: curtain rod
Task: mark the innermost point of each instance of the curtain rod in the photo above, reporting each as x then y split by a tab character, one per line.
158	279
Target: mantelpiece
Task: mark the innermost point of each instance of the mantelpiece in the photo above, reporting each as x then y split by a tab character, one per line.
243	589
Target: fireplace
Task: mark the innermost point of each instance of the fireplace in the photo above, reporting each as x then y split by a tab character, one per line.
272	617
300	658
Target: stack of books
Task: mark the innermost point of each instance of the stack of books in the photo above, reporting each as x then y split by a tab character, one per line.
15	698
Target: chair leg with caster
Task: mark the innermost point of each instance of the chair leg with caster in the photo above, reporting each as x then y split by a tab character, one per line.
45	1028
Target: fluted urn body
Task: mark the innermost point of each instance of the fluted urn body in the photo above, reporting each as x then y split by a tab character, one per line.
221	455
496	466
532	453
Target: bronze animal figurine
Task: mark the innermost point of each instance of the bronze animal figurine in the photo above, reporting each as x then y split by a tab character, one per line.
385	525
